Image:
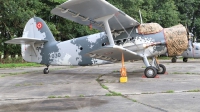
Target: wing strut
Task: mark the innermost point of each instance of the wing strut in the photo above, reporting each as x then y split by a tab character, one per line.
107	27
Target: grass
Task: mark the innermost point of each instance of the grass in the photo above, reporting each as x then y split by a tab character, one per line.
72	66
178	73
81	95
184	73
195	90
66	96
13	65
12	74
116	94
112	93
115	71
134	100
103	86
39	84
164	58
51	96
27	84
17	85
59	97
169	91
148	93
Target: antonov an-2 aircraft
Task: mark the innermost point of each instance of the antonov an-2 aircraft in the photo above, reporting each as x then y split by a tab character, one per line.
121	39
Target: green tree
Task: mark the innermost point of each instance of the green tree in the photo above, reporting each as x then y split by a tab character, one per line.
163	12
14	14
190	15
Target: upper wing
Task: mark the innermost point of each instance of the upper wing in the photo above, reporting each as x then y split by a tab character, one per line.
86	11
25	41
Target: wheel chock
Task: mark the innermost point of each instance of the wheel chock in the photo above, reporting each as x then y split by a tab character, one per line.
123	79
123	72
157	76
166	73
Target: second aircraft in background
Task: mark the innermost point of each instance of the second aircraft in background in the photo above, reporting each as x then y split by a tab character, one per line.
193	51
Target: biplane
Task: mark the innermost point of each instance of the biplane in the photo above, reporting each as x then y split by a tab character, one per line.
121	39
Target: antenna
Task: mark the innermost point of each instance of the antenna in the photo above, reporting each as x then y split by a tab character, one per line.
140	17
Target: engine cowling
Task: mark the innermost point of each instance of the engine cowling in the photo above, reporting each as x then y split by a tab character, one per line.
176	40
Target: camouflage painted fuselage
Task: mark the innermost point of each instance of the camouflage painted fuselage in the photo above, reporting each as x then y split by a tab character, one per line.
73	52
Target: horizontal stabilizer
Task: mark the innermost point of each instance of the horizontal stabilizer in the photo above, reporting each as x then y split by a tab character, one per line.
25	40
114	54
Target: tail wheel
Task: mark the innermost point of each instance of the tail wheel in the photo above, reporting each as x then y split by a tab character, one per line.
150	72
46	71
185	59
162	69
173	60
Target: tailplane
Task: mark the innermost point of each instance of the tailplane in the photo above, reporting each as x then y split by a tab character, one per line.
36	34
37	28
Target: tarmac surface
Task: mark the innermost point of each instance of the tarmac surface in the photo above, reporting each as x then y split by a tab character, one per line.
97	89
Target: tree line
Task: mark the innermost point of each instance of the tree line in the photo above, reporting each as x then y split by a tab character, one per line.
15	13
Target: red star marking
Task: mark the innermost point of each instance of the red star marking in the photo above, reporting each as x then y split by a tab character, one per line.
39	25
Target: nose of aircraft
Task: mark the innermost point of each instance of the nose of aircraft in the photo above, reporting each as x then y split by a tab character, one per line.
176	40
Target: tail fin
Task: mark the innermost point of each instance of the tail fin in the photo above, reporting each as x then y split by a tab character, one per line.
37	28
35	33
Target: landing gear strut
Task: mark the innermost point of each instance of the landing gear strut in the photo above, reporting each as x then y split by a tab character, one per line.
46	70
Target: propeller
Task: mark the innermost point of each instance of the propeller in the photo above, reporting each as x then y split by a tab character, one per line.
190	36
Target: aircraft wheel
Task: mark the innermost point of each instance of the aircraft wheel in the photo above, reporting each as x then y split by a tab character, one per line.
150	72
162	69
46	71
185	59
173	60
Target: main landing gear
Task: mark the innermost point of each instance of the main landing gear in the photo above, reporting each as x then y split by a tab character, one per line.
46	70
185	59
155	68
173	60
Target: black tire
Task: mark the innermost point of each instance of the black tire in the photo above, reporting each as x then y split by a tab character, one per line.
46	71
150	72
173	60
185	59
162	69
